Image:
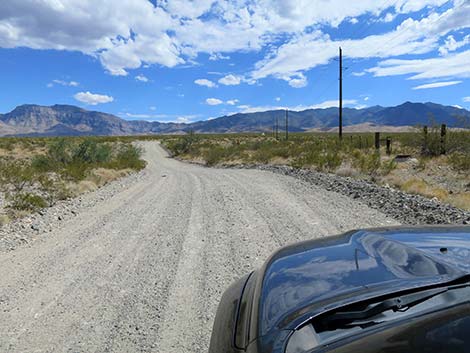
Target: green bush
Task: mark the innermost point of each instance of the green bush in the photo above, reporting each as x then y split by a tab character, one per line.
214	155
89	151
128	157
182	145
60	151
42	164
25	201
16	174
368	163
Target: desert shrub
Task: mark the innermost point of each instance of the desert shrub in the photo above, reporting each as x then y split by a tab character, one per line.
76	170
460	161
59	151
53	189
368	163
42	164
128	157
214	155
422	163
181	145
387	167
328	161
89	151
458	141
16	175
25	201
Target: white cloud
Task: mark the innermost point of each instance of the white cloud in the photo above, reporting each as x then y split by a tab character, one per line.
358	74
205	82
159	117
214	101
389	17
145	116
366	98
230	80
452	45
218	56
298	81
232	101
92	98
466	99
153	108
308	50
323	105
332	103
183	120
437	84
63	83
277	99
141	78
129	34
455	65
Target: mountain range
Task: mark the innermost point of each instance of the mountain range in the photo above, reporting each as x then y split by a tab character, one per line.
68	120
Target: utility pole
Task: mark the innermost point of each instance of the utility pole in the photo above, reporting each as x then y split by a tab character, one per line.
340	93
287	124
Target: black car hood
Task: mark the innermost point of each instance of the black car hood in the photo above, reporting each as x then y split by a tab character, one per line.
305	279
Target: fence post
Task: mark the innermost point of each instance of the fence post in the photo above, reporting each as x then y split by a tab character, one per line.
443	138
425	139
389	146
377	140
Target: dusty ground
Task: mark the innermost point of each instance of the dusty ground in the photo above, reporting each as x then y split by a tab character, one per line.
143	270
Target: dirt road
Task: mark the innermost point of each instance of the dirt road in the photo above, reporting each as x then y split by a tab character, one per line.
143	271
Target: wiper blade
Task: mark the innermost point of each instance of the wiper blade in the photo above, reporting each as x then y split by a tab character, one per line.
401	303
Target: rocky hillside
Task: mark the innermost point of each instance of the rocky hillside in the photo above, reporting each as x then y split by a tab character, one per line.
66	120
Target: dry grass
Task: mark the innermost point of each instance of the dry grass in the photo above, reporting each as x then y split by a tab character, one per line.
4	219
20	153
461	200
81	187
97	178
420	187
102	176
346	170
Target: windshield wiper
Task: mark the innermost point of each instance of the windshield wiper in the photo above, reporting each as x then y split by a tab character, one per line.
358	316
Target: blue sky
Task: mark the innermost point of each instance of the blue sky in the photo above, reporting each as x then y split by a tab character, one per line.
179	60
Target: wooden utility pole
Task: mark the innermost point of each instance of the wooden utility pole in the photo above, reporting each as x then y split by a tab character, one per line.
287	124
340	93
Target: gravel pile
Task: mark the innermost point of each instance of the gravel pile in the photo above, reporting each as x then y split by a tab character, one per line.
406	208
24	230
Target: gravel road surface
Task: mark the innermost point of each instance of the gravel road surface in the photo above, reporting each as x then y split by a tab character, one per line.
143	271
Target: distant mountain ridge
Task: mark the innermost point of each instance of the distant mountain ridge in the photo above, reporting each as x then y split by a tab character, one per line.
68	120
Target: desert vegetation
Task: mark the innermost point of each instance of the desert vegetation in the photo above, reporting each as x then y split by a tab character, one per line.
415	164
36	172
